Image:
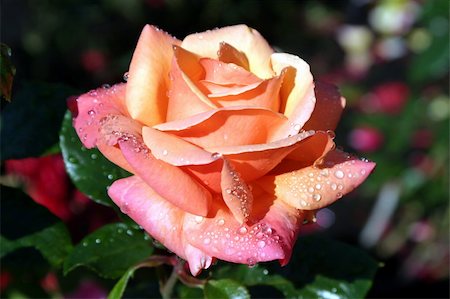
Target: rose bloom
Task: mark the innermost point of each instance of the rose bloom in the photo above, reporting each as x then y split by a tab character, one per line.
230	144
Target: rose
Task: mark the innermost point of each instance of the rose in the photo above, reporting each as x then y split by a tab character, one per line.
230	144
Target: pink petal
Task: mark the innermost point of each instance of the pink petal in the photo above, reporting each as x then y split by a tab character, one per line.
93	107
328	109
236	193
148	79
185	90
242	38
270	238
162	220
186	193
315	187
227	126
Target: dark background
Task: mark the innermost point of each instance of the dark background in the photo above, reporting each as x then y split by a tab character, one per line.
389	58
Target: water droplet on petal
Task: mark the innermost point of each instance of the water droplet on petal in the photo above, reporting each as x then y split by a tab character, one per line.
216	155
221	222
207	241
91	113
339	174
106	86
317	197
165	152
333	186
261	244
125	76
198	219
243	230
318	186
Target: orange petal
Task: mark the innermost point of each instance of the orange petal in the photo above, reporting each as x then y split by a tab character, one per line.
264	94
236	193
227	53
185	92
315	187
186	194
162	220
227	126
254	161
148	79
297	91
175	150
242	38
328	109
222	73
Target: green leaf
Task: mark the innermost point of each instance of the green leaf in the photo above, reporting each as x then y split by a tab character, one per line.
185	292
119	287
27	224
7	72
30	123
257	275
322	267
110	250
225	288
90	171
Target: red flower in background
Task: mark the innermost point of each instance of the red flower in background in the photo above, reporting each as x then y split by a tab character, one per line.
387	98
45	181
365	139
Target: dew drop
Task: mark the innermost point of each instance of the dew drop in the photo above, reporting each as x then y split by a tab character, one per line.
216	155
350	175
129	232
333	186
265	271
228	190
125	208
165	152
243	230
267	230
94	156
85	243
331	134
339	195
221	222
318	186
363	171
91	113
98	241
110	176
125	76
198	219
207	241
303	203
324	172
261	244
317	197
106	86
297	127
310	189
340	187
251	262
339	174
